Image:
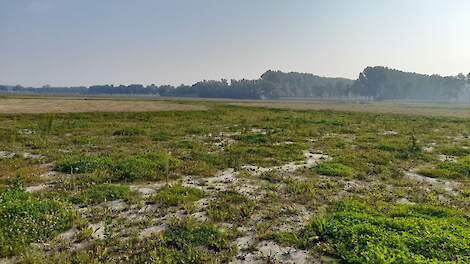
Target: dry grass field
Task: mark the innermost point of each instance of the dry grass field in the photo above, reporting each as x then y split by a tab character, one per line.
58	104
80	105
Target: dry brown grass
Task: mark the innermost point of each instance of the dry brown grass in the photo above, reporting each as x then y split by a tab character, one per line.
76	105
441	110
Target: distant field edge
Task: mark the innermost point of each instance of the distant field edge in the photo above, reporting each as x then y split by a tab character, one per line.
32	105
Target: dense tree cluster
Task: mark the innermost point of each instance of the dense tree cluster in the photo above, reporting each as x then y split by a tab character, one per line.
296	84
382	83
378	83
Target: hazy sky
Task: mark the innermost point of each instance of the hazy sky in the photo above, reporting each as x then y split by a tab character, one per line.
84	42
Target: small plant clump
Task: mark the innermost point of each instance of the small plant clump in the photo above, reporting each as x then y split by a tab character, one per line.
454	151
25	219
333	169
253	138
453	170
128	131
187	241
149	166
104	192
173	195
231	206
385	233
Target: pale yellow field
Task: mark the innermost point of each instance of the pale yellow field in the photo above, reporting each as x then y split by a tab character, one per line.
77	105
51	104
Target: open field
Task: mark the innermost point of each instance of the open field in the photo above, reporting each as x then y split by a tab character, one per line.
10	104
76	105
424	109
275	182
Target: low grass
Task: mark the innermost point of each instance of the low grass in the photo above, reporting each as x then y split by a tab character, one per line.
454	150
174	195
387	233
187	241
253	138
231	206
104	192
448	169
128	132
148	166
25	219
333	169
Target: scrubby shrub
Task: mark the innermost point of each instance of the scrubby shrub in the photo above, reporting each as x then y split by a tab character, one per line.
173	195
26	219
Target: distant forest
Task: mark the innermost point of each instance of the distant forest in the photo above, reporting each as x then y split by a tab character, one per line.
374	83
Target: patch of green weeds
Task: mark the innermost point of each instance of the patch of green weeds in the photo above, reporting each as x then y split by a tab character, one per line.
173	195
448	169
454	151
128	132
161	136
148	166
187	241
333	169
83	164
26	219
387	233
253	138
104	192
231	206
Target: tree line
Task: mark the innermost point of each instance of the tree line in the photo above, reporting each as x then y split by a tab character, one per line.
377	83
382	83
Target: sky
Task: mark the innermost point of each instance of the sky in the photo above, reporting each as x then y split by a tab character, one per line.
87	42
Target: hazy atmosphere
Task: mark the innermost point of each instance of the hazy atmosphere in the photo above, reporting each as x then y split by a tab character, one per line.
64	42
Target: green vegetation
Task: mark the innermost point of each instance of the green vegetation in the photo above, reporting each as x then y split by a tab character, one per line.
333	169
378	82
253	138
104	192
449	169
83	164
231	206
187	241
149	166
25	219
303	163
173	195
128	131
386	233
454	151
